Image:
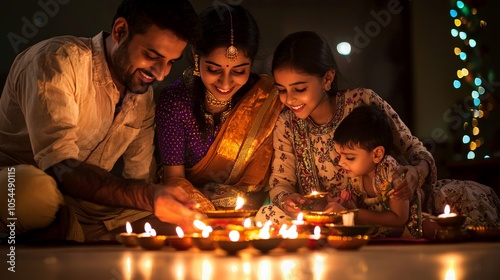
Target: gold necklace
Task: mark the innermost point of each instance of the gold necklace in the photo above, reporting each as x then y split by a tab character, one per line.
211	100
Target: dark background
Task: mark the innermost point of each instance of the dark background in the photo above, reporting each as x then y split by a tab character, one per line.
408	59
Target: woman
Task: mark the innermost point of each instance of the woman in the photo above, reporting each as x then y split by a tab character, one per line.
305	160
214	124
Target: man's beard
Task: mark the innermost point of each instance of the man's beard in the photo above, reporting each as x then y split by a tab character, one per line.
123	70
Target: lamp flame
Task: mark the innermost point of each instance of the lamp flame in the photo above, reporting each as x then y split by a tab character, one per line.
234	235
247	223
129	228
199	224
240	201
179	231
206	231
447	209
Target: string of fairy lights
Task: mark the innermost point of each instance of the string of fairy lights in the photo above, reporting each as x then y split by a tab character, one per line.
466	28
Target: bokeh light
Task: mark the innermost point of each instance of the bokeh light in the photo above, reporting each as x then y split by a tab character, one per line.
344	48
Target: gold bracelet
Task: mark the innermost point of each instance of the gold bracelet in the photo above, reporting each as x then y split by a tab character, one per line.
280	200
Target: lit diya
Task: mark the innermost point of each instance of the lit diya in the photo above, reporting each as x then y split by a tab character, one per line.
203	241
316	240
321	218
237	212
128	238
264	241
451	224
232	243
149	240
292	240
315	195
181	242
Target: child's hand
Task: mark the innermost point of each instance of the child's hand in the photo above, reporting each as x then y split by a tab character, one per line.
292	203
333	207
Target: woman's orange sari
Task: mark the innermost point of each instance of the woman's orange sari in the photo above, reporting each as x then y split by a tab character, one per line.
238	162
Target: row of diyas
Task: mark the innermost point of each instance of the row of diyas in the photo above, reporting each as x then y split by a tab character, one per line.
233	237
231	232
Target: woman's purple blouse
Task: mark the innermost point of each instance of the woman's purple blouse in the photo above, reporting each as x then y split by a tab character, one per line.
179	138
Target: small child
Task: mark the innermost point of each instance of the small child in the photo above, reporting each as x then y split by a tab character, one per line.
363	140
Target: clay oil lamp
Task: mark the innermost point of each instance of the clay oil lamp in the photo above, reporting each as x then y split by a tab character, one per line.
451	226
181	242
149	240
129	239
292	240
264	241
231	242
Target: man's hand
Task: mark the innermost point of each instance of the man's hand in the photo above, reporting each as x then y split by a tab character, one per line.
173	205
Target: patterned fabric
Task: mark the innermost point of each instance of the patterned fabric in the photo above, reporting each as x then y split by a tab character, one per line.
180	141
59	102
383	188
478	202
304	150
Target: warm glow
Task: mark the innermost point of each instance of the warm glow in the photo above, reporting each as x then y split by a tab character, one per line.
206	270
234	235
264	231
283	230
313	193
199	224
179	231
317	232
206	231
247	223
258	224
447	213
300	216
147	228
239	203
292	232
146	267
129	228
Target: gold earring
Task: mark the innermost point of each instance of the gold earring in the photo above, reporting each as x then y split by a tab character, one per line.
196	71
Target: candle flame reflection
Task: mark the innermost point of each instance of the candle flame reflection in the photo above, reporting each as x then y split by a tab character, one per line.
146	267
450	273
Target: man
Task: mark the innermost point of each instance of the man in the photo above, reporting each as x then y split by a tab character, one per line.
71	107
